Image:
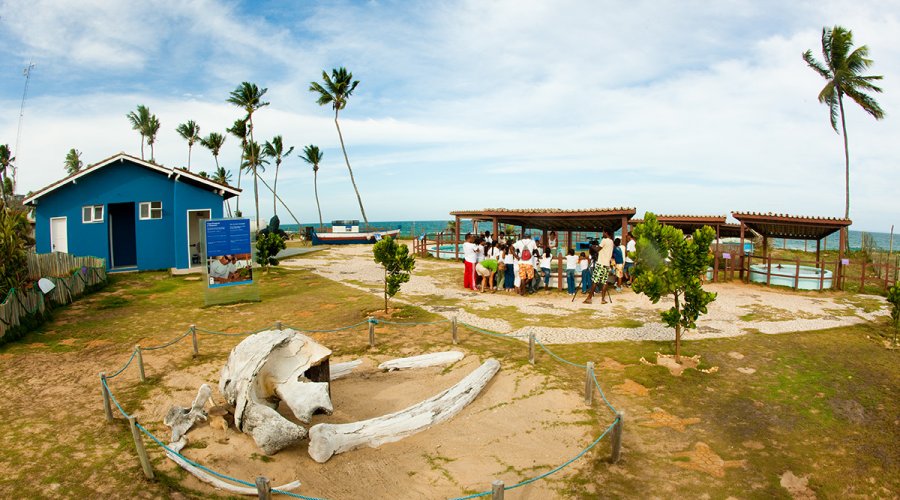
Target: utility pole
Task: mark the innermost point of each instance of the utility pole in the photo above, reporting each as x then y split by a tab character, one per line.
27	73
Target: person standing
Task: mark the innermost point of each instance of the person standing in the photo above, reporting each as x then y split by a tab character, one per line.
630	248
571	265
619	261
602	268
584	264
470	258
509	276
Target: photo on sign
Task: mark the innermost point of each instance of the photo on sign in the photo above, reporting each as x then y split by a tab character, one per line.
230	269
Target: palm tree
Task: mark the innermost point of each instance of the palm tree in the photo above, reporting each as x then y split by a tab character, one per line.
73	161
6	162
239	130
842	70
275	149
152	130
191	133
313	156
222	176
213	142
337	89
248	97
254	161
140	121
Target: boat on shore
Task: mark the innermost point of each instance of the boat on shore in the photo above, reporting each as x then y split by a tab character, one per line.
347	232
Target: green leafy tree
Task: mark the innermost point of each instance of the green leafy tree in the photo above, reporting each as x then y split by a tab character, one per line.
6	164
336	90
267	247
190	131
239	130
894	299
73	161
213	142
666	264
140	121
275	150
313	156
842	70
15	240
397	263
152	130
254	161
248	97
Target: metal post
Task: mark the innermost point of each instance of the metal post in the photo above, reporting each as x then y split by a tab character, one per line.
531	348
278	325
139	447
263	489
194	340
616	440
107	406
497	490
453	329
140	361
589	384
371	332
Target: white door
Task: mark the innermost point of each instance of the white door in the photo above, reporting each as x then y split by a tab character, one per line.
59	236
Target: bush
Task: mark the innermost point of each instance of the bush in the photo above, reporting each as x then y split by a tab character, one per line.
267	247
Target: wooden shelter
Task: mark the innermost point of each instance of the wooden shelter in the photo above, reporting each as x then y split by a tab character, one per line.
795	227
548	219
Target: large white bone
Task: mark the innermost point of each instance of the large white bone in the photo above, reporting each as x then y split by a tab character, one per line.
340	370
422	361
182	419
267	367
325	440
222	485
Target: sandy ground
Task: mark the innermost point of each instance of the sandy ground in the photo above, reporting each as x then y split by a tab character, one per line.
777	310
488	439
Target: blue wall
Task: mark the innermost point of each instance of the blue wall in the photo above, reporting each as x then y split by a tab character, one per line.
161	243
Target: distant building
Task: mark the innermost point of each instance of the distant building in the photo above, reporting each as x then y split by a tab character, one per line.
135	214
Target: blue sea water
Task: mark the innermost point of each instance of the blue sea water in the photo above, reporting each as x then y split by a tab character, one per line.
408	228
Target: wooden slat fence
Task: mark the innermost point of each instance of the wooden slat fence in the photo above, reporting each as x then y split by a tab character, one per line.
72	276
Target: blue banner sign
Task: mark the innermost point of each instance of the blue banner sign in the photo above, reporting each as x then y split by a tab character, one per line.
229	256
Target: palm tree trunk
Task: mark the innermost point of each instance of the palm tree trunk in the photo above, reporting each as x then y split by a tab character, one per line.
189	157
846	159
256	196
142	146
152	154
275	188
316	190
237	204
347	160
677	333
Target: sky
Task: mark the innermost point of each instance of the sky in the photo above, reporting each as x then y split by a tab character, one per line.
673	107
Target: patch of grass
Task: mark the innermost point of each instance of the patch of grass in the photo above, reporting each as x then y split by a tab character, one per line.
760	312
261	458
111	302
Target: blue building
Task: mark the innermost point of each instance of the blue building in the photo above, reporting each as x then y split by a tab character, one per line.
135	214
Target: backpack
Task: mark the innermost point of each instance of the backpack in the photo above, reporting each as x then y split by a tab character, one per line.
526	254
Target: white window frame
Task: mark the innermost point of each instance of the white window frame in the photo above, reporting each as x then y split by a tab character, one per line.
150	210
92	215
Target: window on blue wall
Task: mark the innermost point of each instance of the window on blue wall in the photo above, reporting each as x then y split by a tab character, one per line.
151	210
92	213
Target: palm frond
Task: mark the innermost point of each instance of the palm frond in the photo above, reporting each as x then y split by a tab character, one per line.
816	65
866	102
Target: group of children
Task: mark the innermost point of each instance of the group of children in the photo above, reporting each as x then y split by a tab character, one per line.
523	265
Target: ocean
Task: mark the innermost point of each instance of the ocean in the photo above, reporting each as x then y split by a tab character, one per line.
408	228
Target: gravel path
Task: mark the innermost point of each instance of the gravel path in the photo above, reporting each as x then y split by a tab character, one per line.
739	309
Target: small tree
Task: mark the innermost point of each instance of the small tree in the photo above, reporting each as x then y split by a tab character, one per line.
267	247
397	263
894	298
668	264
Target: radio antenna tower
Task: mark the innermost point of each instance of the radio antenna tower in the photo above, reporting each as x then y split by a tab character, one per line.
27	73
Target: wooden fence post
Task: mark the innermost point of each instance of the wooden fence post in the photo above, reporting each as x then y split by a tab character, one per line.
139	447
140	361
263	489
107	406
371	332
453	330
589	384
194	340
497	490
278	325
616	439
531	348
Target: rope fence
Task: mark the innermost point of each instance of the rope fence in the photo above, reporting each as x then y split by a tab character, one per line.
262	484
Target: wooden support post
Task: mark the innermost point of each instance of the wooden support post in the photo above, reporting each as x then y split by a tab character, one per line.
454	331
559	271
589	384
107	405
194	340
496	229
278	325
139	448
531	348
569	242
616	440
456	239
716	263
140	362
371	333
263	488
437	248
497	490
741	254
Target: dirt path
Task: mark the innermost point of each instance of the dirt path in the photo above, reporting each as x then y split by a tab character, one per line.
552	315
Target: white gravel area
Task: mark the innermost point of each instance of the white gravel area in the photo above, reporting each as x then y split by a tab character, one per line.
738	309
